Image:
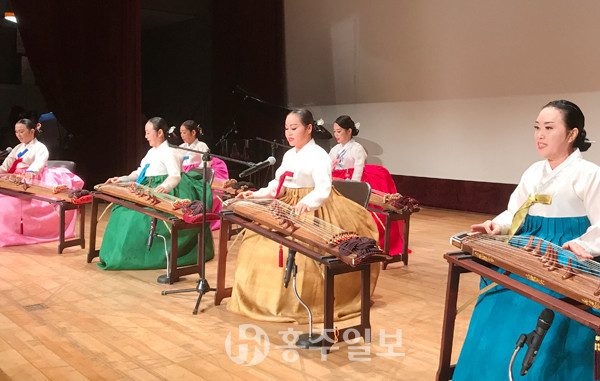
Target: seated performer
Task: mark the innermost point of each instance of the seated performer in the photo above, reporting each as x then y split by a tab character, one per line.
124	246
189	131
349	158
24	221
566	212
304	181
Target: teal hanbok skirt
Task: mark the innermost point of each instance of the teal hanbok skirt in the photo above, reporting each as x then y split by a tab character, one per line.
501	316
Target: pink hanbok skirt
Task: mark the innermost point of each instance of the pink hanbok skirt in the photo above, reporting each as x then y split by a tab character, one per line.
24	221
221	173
380	179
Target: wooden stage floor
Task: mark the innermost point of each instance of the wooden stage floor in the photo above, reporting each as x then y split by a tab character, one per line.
64	319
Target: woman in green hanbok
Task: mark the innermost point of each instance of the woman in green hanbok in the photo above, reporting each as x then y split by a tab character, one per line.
124	246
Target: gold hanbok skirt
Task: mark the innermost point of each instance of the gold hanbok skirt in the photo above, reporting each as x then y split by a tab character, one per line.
258	290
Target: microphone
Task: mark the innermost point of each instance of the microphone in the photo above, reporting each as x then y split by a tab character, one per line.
257	167
289	265
6	151
534	339
151	233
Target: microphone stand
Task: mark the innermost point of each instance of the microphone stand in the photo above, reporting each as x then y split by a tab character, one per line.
152	233
203	287
273	144
234	122
238	89
520	343
210	154
164	278
226	134
306	340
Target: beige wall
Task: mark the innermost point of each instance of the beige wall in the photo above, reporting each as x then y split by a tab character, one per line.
446	89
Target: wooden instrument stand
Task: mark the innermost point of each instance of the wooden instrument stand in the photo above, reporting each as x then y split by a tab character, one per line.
331	265
176	225
389	217
63	206
461	262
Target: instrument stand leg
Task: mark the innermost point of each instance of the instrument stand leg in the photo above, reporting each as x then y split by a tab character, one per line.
306	340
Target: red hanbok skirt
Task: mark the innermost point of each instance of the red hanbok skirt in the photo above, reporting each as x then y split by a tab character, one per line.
380	179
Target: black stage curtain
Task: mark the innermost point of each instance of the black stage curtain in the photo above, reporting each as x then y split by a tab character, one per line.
248	81
85	56
249	56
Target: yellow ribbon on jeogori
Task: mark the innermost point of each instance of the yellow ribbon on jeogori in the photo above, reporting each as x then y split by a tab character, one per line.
522	212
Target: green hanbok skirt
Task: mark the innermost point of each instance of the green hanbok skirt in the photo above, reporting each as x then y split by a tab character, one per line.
125	242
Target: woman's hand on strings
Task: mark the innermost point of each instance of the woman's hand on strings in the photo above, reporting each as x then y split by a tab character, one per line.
577	249
28	176
113	180
301	208
160	189
245	195
488	227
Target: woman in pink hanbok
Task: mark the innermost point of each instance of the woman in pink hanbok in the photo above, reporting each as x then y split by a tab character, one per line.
24	221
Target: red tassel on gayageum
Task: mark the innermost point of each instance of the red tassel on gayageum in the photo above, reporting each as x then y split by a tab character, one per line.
82	200
80	196
280	255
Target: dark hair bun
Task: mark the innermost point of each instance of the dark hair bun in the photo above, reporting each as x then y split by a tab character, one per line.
191	125
581	141
347	123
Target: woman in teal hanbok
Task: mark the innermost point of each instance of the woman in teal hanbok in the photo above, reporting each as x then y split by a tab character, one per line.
566	213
